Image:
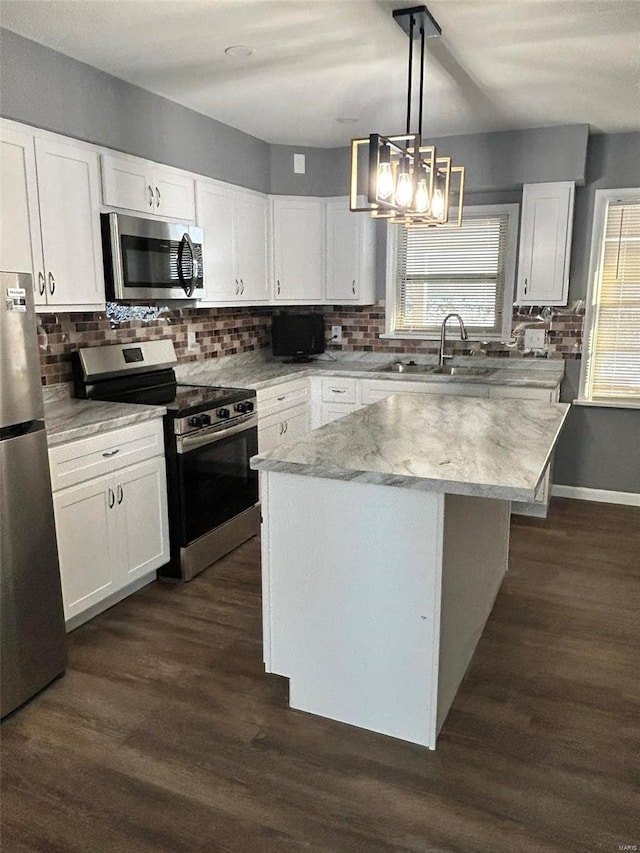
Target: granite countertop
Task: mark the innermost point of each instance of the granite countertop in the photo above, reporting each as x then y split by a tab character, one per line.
68	419
256	372
497	449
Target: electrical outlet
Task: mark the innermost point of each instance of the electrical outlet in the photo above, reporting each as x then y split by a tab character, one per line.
191	340
336	334
535	339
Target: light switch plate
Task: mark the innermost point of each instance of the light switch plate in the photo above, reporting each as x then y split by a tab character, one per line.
299	165
534	339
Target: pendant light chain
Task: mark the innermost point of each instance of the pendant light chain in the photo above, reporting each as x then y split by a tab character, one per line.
409	76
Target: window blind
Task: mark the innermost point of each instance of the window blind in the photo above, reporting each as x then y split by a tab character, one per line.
446	270
614	349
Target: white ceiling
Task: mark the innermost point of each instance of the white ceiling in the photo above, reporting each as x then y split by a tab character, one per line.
499	64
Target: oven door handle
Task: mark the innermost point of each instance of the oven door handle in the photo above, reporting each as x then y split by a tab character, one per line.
188	286
191	442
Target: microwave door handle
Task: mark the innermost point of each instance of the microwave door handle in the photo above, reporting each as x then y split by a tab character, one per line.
190	286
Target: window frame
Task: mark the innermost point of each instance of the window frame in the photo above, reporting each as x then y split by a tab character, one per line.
472	211
602	199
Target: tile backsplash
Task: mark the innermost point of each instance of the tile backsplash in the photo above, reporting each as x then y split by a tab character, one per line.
216	332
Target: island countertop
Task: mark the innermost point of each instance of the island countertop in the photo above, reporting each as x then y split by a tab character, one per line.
485	448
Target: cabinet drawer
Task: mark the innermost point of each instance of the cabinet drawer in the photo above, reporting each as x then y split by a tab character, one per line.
514	392
91	457
280	397
339	390
378	389
334	411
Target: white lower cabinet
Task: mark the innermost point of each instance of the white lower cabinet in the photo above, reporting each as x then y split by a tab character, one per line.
283	413
112	529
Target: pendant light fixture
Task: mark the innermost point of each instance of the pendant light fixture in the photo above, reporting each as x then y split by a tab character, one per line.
407	182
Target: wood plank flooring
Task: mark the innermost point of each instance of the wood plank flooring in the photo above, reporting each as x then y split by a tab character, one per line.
166	735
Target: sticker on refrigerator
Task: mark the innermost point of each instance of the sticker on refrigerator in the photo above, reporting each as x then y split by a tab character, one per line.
16	299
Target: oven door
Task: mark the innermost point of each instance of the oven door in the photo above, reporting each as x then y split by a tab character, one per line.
215	481
145	259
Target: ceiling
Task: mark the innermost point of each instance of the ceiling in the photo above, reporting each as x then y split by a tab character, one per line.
500	64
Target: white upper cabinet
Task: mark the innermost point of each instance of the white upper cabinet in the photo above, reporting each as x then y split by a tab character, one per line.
350	255
545	243
235	244
134	184
298	232
70	223
20	243
49	217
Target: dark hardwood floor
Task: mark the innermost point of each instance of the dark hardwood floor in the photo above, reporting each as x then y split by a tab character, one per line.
166	735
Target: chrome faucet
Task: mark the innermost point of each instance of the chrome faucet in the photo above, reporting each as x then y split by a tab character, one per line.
443	336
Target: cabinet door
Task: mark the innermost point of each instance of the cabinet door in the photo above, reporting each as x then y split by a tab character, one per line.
143	534
270	432
70	223
343	253
251	247
214	214
545	243
174	194
298	247
86	531
127	183
20	242
296	422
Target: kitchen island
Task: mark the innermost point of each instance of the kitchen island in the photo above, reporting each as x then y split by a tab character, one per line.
384	543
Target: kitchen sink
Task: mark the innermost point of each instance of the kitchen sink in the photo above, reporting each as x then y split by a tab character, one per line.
461	371
398	367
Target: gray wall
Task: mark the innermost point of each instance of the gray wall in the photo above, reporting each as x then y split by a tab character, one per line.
45	89
599	447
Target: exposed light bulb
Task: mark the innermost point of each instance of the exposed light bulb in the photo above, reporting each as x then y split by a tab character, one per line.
404	188
437	205
385	181
421	202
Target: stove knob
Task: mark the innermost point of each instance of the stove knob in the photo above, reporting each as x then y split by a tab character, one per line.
244	408
223	413
194	421
205	420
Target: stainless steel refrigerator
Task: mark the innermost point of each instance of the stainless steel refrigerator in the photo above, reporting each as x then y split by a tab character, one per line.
32	634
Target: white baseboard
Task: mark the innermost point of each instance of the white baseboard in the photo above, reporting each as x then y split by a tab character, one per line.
601	495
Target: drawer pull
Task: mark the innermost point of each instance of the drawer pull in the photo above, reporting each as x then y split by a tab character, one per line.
339	390
280	399
111	453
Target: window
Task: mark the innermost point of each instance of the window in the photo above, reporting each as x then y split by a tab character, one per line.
611	359
432	272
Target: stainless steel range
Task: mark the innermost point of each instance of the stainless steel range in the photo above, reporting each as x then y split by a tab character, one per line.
211	434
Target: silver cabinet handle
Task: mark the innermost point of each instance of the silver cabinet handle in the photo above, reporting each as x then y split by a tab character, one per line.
525	286
150	188
52	284
120	494
278	285
158	197
241	287
42	286
112	498
286	425
353	286
237	288
281	428
338	390
280	399
108	453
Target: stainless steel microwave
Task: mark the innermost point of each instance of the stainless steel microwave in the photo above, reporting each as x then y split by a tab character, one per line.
149	260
